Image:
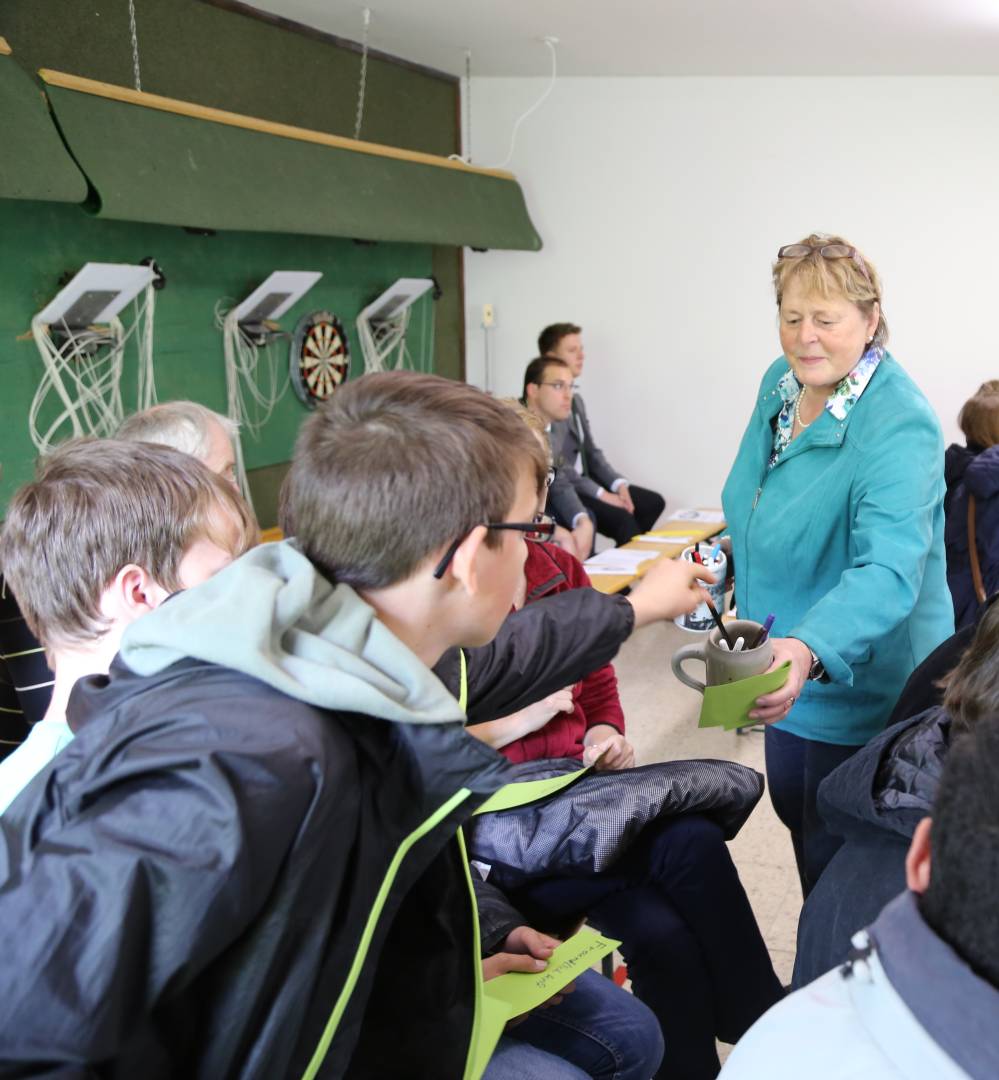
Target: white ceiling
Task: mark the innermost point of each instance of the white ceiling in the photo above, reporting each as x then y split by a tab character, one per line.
672	37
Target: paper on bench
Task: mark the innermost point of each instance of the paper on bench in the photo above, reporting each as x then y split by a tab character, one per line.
664	538
617	561
708	517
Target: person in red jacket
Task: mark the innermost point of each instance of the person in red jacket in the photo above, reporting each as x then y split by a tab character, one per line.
584	721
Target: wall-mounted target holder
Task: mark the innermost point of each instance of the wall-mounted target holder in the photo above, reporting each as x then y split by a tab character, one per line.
319	359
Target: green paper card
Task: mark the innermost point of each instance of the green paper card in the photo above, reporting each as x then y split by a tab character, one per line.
728	706
522	991
493	1017
527	791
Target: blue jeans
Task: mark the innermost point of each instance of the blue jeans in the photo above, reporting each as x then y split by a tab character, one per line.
597	1031
795	768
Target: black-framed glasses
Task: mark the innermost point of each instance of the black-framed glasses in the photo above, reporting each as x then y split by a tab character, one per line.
541	528
560	385
827	251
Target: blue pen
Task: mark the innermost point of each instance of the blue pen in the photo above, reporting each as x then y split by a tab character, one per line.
715	550
764	631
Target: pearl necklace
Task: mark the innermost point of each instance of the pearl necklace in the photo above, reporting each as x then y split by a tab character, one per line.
797	410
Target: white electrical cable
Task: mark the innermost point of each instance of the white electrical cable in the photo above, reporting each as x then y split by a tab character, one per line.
550	42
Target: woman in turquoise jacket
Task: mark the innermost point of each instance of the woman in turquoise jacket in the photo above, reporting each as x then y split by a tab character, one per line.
835	506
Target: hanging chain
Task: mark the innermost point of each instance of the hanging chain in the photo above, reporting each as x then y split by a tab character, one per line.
135	44
468	106
364	75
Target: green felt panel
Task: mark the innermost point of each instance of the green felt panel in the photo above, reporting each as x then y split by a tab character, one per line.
196	52
265	490
149	165
34	163
44	240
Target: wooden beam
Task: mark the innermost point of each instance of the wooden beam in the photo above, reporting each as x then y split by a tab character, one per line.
252	123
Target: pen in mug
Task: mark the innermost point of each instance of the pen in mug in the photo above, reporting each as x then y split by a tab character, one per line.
718	622
764	632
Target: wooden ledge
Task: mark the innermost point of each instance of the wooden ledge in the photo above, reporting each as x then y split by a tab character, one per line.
252	123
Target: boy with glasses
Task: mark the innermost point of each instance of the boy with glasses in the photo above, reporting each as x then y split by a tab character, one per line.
248	857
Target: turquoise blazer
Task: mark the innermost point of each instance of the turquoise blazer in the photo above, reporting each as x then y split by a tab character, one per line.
843	541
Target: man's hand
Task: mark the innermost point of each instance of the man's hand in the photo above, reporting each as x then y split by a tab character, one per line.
613	500
607	748
583	536
625	496
773	707
671	587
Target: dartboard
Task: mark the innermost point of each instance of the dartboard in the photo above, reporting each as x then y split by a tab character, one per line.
320	357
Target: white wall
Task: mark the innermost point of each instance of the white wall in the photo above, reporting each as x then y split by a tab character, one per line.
662	202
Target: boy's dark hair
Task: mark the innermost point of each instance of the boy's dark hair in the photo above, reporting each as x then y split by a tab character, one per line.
535	371
972	688
960	902
549	338
94	507
395	466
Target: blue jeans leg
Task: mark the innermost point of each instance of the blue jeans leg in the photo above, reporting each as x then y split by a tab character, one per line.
597	1031
795	768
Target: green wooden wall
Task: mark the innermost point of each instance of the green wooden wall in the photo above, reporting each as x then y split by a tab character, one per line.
41	241
197	52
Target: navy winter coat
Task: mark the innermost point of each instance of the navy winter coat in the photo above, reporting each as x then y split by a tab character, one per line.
976	472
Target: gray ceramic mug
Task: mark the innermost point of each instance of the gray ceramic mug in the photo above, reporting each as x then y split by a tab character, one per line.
722	666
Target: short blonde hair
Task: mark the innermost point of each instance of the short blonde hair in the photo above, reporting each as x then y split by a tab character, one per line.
979	416
534	422
833	277
98	505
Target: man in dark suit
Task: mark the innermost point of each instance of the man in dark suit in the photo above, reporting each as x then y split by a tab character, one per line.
621	509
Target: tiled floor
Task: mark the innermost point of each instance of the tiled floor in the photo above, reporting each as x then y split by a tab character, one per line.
661	715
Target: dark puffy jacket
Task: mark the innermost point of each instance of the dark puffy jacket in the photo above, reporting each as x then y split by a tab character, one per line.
270	870
874	800
586	827
968	471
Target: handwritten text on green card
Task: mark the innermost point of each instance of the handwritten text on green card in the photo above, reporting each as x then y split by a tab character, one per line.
523	991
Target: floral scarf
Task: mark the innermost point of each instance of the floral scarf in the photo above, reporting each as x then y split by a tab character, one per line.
839	402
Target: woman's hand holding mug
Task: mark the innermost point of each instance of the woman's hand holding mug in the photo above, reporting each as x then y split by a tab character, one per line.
773	707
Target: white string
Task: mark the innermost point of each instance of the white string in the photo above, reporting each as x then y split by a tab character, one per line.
550	42
466	157
255	382
85	374
468	106
362	84
146	382
135	44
